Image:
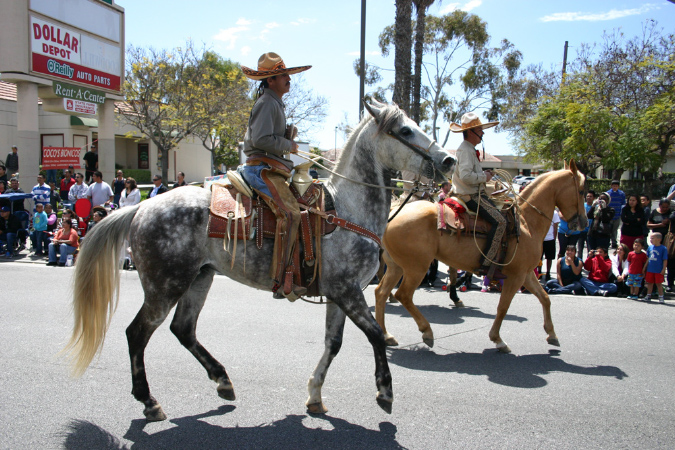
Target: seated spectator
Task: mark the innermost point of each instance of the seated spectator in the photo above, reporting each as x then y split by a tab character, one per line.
620	269
39	228
3	187
78	190
68	216
569	274
96	218
9	227
637	267
601	228
14	188
599	266
633	220
181	180
65	242
131	195
52	224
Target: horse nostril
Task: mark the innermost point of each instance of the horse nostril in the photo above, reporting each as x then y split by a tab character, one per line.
448	161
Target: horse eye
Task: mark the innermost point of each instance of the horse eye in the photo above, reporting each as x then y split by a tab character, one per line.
406	131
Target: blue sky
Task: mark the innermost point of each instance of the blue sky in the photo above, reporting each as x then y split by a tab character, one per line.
326	35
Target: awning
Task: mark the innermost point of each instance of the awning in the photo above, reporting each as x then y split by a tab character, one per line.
83	121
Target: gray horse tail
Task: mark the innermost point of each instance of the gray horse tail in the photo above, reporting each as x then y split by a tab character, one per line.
96	283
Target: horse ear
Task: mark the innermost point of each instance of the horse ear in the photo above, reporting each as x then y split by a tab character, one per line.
375	108
564	165
573	167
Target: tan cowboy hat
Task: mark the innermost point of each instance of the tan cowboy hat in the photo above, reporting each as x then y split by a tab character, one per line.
269	65
471	120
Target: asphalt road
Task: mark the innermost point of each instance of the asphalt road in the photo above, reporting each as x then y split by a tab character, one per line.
609	386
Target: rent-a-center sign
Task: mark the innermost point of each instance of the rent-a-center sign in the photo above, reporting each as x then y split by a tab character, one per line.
64	53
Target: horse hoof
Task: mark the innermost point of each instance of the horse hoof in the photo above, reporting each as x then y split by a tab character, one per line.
226	393
553	341
429	342
503	348
317	408
154	414
459	304
390	341
385	404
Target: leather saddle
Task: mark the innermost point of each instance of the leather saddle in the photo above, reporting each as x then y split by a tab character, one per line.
238	213
455	217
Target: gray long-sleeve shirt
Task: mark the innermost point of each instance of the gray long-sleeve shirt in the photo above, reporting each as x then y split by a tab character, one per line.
468	174
266	129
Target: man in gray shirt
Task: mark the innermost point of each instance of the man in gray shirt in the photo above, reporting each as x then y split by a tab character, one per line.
268	140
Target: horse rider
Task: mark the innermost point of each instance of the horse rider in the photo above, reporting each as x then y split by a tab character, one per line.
468	183
267	145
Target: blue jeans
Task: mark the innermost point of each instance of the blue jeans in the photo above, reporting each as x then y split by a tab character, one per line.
40	240
51	175
252	176
64	251
592	287
553	287
9	239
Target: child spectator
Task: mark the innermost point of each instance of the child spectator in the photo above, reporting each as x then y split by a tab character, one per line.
599	267
656	266
637	265
569	274
620	269
40	227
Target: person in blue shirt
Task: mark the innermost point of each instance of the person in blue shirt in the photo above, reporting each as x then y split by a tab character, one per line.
617	200
583	236
566	237
656	266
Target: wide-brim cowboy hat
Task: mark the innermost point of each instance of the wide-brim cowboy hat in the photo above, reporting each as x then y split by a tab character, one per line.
470	121
269	65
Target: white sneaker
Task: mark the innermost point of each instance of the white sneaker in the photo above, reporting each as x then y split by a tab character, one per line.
661	300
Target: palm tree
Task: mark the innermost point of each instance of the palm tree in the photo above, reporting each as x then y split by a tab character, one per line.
402	56
421	7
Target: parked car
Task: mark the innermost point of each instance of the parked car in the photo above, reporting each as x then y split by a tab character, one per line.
524	180
517	178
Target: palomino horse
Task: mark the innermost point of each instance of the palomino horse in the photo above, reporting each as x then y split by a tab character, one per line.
176	261
412	240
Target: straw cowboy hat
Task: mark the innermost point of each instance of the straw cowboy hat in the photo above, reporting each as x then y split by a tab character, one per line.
469	121
269	65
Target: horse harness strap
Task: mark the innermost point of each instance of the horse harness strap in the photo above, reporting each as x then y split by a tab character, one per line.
342	223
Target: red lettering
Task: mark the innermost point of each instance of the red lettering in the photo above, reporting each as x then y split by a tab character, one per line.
58	36
45	32
66	40
73	44
45	48
36	31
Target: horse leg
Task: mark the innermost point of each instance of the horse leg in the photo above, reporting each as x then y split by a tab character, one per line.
404	294
353	303
511	286
532	285
382	292
335	325
184	326
452	284
138	334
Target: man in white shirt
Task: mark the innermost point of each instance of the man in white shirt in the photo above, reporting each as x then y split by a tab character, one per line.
100	192
78	190
159	187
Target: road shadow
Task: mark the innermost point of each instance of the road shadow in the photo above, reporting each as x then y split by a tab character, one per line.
522	371
446	315
191	432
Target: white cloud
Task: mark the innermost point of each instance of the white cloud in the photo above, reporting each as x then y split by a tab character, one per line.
596	17
272	25
230	35
303	21
472	4
245	50
449	8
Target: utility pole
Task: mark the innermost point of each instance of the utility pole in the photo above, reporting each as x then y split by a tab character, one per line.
362	85
564	63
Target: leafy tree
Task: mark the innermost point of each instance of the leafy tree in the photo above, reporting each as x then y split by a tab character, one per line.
164	92
222	131
305	109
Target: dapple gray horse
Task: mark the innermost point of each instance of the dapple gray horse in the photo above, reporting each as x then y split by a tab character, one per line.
176	260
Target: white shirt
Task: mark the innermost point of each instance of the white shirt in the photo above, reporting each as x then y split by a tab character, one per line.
99	193
554	223
133	198
77	191
468	174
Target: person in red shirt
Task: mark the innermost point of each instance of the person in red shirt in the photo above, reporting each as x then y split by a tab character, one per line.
599	266
66	240
637	266
66	183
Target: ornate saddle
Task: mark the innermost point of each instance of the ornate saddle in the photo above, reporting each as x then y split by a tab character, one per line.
455	217
237	213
